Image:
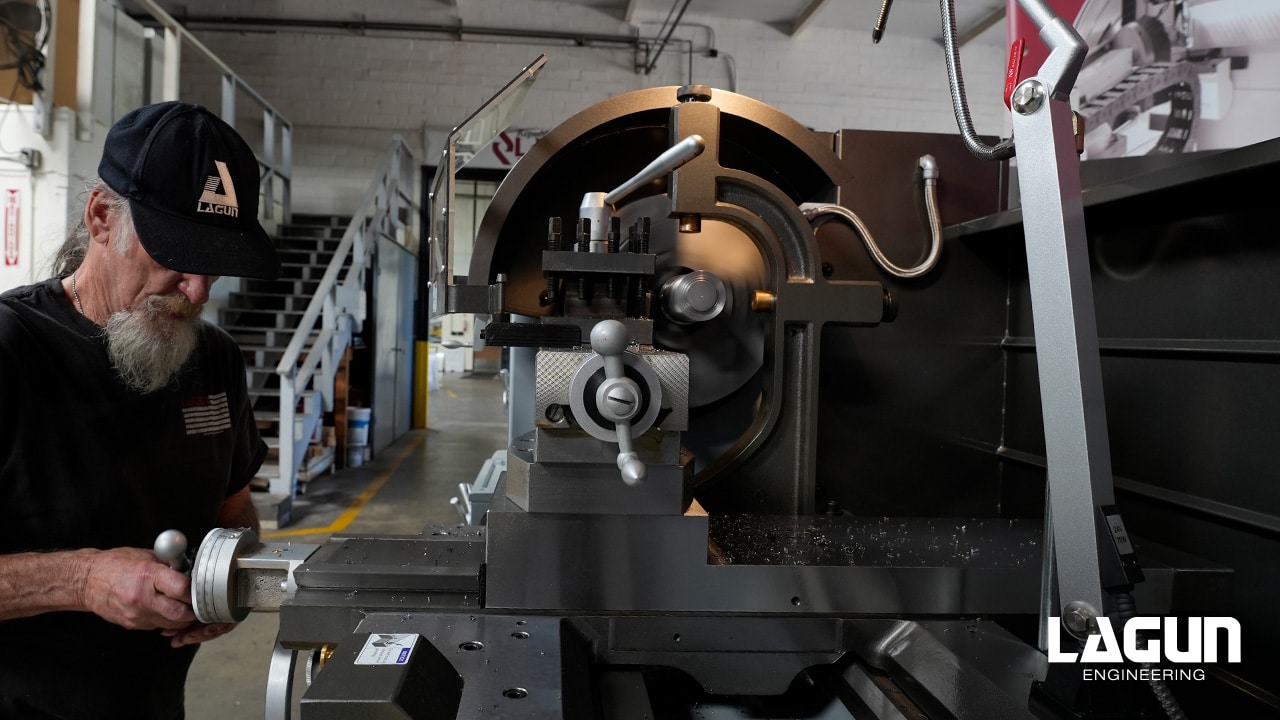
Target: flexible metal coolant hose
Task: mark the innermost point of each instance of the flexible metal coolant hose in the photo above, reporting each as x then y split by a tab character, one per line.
1127	609
820	214
959	104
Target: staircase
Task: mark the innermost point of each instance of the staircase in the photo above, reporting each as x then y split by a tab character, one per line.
295	330
263	317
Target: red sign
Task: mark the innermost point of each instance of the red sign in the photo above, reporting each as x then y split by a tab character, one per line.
508	148
11	209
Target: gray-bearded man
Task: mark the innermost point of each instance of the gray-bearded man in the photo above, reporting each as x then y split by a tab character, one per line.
123	415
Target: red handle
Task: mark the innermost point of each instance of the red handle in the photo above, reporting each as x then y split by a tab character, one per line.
1015	67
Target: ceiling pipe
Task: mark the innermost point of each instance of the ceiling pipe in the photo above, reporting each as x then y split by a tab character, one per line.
360	26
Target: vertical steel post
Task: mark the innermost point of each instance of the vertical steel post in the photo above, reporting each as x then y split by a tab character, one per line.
1075	423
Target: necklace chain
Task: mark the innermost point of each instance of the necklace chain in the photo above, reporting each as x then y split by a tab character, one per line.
75	295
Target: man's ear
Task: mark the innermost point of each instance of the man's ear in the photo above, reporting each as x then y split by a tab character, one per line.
98	217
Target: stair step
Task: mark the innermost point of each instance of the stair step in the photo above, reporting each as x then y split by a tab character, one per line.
283	302
313	465
262	321
305	244
270	371
300	271
290	286
265	424
255	300
233	329
302	232
305	256
264	294
265	311
300	236
320	218
258	335
246	335
292	227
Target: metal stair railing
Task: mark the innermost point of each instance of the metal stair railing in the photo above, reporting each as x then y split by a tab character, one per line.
388	210
275	155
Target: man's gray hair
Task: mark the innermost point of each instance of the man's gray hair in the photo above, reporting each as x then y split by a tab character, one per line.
69	257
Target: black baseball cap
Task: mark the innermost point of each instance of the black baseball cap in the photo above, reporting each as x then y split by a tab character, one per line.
192	186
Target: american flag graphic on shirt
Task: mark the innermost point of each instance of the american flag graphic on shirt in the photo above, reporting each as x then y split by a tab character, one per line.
207	415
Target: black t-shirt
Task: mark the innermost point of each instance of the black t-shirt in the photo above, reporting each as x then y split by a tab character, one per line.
87	463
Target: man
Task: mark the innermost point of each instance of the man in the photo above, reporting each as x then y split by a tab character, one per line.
123	415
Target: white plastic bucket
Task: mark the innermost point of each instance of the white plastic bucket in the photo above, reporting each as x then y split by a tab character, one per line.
358	426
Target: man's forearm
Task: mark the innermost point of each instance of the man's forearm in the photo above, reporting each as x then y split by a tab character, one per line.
35	583
125	586
237	511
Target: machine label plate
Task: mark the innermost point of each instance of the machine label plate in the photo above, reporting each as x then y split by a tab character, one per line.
386	649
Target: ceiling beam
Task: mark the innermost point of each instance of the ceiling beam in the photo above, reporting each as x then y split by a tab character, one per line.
802	20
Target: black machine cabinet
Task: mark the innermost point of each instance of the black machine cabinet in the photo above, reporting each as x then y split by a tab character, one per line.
939	412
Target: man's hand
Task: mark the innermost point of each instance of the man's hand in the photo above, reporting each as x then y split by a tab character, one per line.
198	632
129	587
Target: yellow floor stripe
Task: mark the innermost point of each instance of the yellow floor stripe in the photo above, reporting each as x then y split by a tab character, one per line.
357	505
451	394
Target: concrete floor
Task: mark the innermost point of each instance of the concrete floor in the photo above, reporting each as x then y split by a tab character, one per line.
412	479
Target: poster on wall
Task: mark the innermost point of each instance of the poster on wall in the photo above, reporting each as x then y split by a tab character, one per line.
1169	76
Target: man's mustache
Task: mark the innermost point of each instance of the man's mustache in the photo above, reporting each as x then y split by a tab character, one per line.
174	305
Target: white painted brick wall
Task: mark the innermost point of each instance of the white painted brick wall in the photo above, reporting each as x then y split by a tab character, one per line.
347	94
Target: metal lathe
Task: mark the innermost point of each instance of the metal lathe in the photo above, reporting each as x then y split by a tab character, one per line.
759	469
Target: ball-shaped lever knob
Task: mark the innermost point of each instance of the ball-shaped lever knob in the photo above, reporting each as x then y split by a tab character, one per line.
171	548
633	470
609	338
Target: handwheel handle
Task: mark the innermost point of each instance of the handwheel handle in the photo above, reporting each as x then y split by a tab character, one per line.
618	398
171	548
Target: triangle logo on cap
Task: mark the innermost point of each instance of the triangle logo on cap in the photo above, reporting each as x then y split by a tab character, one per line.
224	203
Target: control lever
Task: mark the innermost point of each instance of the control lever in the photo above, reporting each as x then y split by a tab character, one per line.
618	398
598	206
171	548
672	159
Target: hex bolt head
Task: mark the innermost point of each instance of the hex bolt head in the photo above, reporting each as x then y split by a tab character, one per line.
1080	618
1028	97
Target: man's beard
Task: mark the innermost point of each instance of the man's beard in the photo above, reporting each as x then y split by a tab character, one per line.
149	345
